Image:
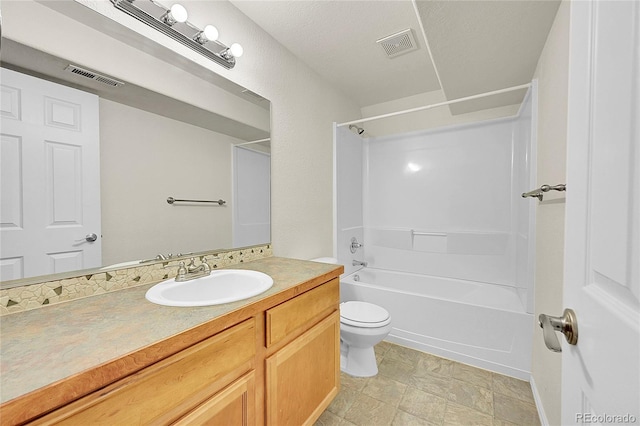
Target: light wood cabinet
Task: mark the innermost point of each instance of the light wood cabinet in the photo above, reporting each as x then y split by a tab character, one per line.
304	376
278	366
235	406
303	363
284	320
168	389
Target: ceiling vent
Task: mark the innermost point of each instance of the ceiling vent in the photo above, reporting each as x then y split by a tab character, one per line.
103	79
399	43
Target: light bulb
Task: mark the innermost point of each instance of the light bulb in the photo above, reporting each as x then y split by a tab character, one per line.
236	50
210	32
177	13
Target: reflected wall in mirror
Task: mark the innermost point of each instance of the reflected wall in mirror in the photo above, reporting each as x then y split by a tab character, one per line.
150	146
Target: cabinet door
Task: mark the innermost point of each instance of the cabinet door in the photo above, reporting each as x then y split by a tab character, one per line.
235	405
304	376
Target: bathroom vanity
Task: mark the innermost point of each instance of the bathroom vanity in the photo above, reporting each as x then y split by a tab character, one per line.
272	359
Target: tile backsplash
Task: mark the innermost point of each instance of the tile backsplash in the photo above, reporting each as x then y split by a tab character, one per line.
33	296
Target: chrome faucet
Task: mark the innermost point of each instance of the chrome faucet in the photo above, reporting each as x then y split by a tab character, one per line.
191	271
358	263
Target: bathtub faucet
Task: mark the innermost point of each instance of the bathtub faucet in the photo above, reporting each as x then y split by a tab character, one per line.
358	263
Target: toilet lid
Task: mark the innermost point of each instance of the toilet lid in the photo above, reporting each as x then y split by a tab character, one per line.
363	314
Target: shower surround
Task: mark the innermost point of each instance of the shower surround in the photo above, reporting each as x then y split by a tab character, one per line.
444	229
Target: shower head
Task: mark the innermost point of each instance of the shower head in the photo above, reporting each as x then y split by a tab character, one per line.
360	130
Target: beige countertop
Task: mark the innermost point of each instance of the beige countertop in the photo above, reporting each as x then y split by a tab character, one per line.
48	345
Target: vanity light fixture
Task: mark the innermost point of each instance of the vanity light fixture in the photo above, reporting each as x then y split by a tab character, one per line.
173	23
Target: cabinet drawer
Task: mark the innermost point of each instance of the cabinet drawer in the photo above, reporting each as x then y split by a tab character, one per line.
170	387
295	313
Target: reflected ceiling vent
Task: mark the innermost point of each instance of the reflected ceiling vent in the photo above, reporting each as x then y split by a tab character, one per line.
399	43
103	79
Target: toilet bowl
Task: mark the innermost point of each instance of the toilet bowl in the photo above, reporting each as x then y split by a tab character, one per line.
362	326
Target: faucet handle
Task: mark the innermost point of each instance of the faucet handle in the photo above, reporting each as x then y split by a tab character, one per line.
355	245
182	272
205	265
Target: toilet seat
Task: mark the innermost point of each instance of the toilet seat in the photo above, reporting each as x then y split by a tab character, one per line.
363	314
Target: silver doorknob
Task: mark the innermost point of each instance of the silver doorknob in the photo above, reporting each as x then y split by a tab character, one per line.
91	237
567	324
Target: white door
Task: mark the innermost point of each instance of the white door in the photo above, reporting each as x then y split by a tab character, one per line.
252	197
601	374
50	178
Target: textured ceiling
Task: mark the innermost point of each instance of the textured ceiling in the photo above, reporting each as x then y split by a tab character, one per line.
337	39
481	46
477	46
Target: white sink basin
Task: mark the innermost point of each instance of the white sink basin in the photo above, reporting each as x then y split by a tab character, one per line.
223	286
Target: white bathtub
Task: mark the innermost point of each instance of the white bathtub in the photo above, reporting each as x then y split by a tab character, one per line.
475	323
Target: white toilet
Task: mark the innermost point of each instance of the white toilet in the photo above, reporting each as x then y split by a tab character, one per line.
362	326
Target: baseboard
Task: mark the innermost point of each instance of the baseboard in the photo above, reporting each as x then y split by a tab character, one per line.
538	401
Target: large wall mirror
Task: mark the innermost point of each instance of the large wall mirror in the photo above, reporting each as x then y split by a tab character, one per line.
172	129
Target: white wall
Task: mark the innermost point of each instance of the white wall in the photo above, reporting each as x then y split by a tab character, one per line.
303	106
552	75
145	158
455	182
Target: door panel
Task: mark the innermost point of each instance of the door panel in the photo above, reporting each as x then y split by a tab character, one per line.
11	163
50	176
601	374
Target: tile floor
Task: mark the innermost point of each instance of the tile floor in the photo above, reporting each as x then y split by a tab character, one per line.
415	388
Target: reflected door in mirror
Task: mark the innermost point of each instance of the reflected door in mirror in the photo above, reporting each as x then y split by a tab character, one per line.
50	195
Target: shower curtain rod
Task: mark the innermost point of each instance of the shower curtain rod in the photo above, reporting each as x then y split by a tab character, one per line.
453	101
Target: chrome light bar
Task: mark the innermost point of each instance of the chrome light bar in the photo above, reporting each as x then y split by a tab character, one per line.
154	15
